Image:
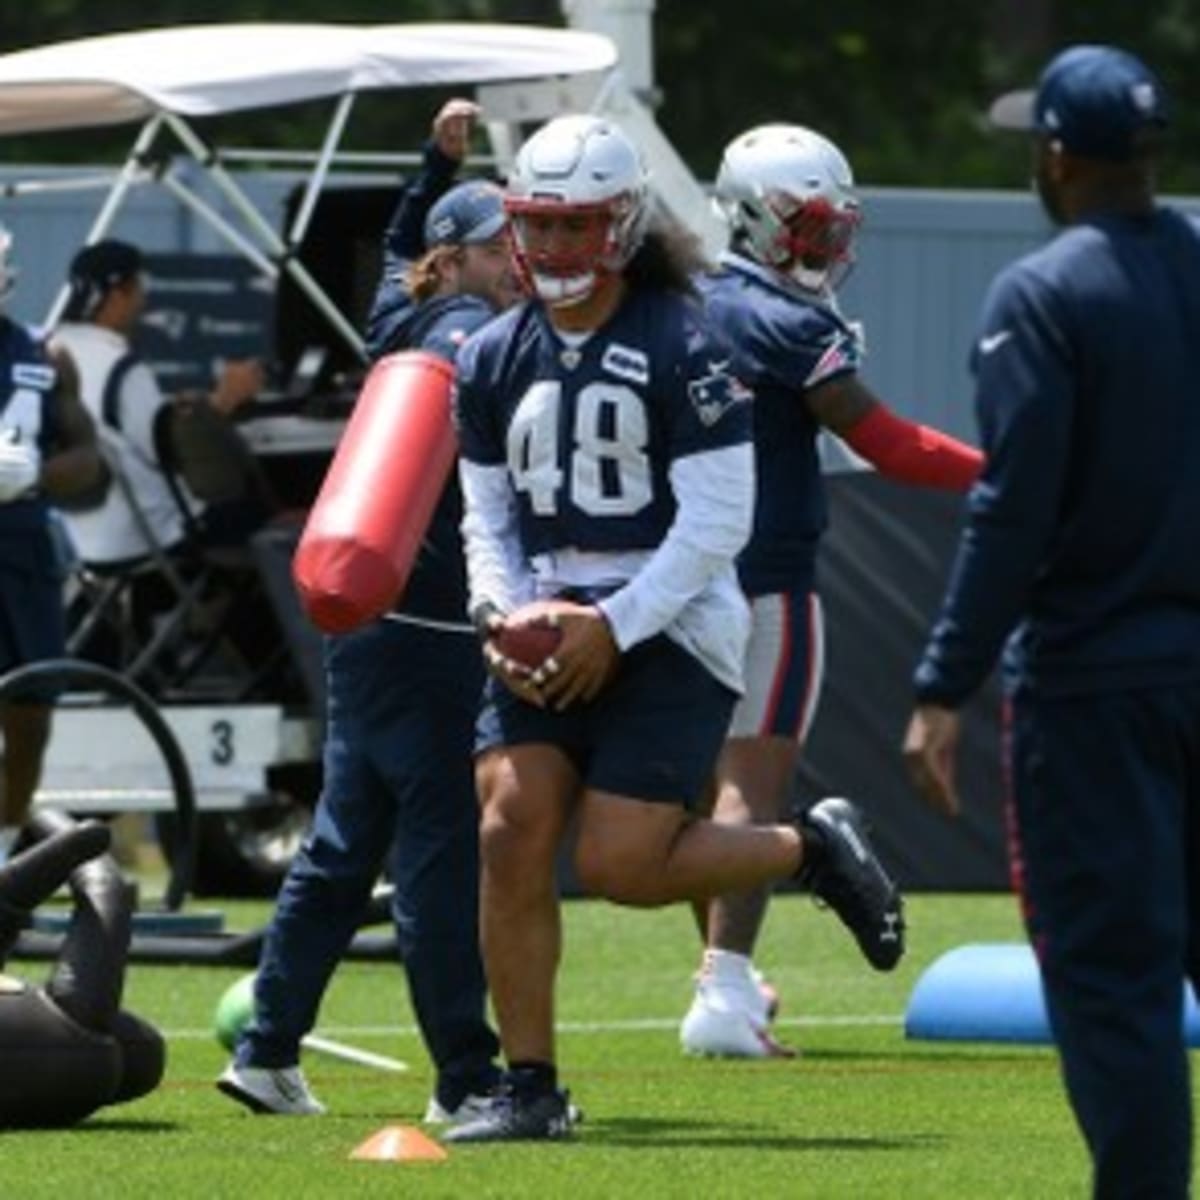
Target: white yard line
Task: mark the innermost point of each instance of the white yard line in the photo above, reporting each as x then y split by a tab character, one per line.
631	1025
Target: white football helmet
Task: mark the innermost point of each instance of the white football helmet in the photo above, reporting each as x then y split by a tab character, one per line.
8	272
788	196
577	200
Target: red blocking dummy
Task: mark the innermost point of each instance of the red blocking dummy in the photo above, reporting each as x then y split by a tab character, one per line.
379	493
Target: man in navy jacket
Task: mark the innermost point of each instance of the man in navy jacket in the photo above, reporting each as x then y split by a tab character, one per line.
1082	552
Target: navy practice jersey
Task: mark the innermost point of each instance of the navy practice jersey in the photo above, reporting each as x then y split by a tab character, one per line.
437	585
783	343
1084	530
27	413
403	242
589	432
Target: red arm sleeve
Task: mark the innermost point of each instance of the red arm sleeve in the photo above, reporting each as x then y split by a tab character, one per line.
912	453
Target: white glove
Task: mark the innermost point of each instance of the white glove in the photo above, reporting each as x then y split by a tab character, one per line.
20	465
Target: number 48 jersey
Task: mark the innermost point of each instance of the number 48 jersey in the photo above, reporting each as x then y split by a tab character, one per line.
589	430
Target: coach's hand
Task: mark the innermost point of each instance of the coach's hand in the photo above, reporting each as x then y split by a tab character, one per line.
930	752
586	658
453	125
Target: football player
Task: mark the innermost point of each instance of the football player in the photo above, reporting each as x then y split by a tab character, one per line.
48	453
788	197
608	482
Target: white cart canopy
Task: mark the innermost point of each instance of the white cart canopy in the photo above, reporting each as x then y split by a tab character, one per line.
168	78
205	70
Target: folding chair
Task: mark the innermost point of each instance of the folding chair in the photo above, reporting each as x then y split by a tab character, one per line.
108	625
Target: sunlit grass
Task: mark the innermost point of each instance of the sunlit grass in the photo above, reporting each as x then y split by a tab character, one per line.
861	1112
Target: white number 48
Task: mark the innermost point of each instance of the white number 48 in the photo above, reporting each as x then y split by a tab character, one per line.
610	427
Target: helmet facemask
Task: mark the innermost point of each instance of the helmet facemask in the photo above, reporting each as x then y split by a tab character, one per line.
813	241
577	208
787	194
564	251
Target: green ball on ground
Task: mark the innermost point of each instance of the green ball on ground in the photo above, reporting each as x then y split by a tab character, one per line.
234	1011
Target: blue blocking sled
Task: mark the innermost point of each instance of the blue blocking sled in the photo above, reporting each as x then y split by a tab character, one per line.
991	992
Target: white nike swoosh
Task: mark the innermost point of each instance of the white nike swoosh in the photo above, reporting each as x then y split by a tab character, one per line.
994	341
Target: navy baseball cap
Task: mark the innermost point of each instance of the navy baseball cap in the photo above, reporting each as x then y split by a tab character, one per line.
95	271
105	264
1095	100
470	212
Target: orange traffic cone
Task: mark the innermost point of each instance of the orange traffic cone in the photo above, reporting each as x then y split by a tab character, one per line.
400	1143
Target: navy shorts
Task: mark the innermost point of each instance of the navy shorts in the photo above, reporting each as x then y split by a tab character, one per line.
32	627
653	733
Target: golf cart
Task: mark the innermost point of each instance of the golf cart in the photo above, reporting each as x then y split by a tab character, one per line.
254	752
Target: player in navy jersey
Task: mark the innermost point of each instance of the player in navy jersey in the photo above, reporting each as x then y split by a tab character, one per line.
608	479
402	696
788	196
1081	551
47	453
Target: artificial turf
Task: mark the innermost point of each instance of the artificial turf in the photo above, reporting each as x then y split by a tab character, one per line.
861	1112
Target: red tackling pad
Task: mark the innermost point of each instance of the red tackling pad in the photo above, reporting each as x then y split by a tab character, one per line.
377	498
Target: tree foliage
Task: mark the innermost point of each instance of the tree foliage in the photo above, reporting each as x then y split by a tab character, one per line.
901	86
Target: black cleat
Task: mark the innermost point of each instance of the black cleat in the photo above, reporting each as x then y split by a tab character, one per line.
848	876
513	1116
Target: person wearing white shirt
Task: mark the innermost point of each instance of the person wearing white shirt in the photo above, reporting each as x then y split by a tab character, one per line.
108	295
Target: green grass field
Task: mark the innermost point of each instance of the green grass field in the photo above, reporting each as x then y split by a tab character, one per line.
861	1113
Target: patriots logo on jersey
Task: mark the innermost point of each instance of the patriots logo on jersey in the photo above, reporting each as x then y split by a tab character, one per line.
626	363
714	394
842	355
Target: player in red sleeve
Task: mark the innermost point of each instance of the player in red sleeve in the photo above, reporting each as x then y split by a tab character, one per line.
789	199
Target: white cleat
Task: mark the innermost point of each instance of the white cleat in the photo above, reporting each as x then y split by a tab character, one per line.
280	1091
729	1022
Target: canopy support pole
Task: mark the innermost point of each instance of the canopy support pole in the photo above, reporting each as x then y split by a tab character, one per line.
209	215
316	180
257	223
133	166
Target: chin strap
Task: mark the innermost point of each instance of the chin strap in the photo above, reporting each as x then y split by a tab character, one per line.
912	453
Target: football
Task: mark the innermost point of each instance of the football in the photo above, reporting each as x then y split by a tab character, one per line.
529	645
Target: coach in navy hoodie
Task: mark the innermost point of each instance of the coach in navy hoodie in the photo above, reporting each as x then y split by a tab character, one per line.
1082	551
402	696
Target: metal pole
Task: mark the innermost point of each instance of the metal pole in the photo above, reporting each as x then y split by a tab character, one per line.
205	211
126	177
255	220
316	179
365	1058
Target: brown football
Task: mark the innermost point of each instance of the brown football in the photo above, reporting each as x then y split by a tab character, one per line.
529	645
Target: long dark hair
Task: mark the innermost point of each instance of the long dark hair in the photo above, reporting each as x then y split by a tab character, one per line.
667	259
